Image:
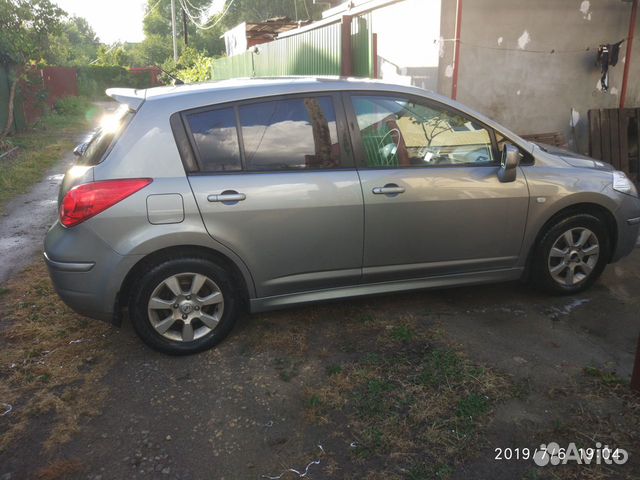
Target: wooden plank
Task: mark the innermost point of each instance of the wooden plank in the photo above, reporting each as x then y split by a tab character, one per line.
595	149
605	133
637	162
614	135
623	136
554	138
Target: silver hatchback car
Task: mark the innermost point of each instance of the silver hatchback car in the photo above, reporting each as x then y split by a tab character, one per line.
192	202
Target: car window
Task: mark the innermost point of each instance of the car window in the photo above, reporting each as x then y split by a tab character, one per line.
397	132
216	139
110	128
296	133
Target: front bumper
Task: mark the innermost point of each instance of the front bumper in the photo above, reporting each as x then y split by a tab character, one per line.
628	220
86	273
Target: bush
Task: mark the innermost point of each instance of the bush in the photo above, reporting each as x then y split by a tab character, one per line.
71	106
93	80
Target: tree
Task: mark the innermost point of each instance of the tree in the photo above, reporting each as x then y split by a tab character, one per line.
157	22
25	28
75	44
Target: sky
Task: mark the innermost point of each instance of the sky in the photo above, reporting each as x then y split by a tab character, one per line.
117	20
112	20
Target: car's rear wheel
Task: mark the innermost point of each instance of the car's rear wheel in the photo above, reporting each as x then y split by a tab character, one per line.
184	306
571	255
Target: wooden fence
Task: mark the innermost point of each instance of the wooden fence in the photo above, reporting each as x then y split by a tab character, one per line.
614	137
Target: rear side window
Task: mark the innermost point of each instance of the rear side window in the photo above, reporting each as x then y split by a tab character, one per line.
290	134
216	139
109	130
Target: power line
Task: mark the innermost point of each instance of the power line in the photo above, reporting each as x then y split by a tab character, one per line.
148	12
200	25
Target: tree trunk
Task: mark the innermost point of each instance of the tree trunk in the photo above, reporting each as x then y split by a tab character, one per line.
12	96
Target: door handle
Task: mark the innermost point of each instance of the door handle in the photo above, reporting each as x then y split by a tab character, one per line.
390	189
228	196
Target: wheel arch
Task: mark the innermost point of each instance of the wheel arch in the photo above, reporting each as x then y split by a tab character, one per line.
168	253
589	208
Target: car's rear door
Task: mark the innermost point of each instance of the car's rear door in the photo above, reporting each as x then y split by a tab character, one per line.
277	185
433	201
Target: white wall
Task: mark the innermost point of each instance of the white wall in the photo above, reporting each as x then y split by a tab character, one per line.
408	42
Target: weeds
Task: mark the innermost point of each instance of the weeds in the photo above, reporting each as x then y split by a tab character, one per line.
41	147
42	374
412	398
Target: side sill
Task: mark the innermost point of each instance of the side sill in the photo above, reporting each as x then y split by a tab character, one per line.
272	303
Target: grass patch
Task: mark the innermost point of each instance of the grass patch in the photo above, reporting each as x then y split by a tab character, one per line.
606	378
50	362
597	407
42	146
59	469
414	405
287	368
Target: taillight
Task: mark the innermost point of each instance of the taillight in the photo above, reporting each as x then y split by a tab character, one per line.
87	200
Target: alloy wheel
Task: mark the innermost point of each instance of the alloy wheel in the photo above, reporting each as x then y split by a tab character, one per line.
573	256
185	307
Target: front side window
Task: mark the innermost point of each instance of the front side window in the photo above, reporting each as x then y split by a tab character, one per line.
297	133
216	139
397	132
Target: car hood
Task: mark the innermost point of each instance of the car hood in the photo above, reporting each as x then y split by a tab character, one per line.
575	159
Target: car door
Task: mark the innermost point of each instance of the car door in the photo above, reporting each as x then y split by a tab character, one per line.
433	202
278	187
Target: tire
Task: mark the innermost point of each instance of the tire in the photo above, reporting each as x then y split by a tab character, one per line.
195	305
571	255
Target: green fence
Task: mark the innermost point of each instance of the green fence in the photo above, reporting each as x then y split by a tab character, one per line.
313	52
362	46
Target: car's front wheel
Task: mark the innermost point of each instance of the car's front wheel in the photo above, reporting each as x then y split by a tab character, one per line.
184	306
571	255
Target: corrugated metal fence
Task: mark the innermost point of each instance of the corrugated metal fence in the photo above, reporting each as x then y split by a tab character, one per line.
312	52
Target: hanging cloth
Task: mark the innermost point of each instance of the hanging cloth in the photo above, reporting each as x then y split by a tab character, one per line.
608	55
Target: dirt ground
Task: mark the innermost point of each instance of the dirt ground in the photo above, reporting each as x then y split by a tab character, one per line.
330	390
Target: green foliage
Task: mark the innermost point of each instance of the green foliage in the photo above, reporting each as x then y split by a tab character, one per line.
157	45
402	333
41	147
155	49
71	106
193	66
25	28
75	44
93	80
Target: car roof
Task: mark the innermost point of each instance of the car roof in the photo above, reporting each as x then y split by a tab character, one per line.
265	86
187	96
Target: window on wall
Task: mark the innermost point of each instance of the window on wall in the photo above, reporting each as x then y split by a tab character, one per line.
297	133
216	139
397	132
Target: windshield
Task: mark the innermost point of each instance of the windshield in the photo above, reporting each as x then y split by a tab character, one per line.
111	126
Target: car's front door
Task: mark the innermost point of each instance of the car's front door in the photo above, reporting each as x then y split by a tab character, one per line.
278	188
433	201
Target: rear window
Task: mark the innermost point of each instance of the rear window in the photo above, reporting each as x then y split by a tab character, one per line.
110	128
216	139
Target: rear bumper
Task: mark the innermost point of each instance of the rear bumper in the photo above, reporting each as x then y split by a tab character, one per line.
86	273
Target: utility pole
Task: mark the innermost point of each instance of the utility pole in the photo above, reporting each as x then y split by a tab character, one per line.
184	27
173	30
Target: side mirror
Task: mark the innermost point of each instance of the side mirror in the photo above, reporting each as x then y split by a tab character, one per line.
508	163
